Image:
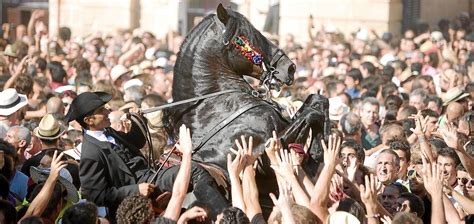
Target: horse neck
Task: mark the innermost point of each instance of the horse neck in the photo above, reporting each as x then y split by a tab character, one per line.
208	76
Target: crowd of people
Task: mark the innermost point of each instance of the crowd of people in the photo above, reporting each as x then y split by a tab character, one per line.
400	151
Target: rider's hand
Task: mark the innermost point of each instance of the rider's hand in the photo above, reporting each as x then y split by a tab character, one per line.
146	189
195	212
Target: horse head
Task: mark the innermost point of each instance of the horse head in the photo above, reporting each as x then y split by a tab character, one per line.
251	54
314	115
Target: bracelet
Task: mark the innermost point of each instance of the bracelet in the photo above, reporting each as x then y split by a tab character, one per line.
376	215
421	138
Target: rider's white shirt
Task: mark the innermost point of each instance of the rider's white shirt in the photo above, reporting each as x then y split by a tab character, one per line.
99	135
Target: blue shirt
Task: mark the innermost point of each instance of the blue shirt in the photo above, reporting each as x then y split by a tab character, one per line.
353	92
19	185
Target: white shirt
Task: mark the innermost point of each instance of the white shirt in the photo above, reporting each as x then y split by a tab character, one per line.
99	135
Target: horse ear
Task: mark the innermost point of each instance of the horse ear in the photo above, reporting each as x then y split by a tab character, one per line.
222	14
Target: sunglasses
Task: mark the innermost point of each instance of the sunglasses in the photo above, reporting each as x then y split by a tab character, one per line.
465	180
412	174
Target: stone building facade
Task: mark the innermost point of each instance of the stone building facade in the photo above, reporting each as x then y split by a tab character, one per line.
160	16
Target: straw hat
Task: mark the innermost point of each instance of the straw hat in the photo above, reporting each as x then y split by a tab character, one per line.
118	71
453	95
49	128
146	64
136	71
11	101
39	175
11	51
406	74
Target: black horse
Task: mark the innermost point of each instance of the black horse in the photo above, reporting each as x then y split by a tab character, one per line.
214	57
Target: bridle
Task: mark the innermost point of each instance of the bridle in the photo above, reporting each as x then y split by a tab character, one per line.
242	44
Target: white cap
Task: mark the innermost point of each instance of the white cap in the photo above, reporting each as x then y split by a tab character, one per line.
160	62
132	82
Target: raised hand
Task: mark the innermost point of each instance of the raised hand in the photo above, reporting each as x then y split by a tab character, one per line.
37	14
273	146
336	188
420	124
331	151
22	65
296	158
185	145
56	165
450	136
432	179
285	166
284	201
235	167
368	193
195	212
247	149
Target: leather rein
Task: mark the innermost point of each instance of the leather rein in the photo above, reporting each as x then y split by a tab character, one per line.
142	124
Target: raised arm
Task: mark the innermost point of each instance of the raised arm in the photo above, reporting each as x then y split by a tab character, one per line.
235	167
298	160
19	70
284	169
35	16
368	194
249	184
466	203
41	201
450	136
320	194
181	184
450	212
433	182
303	179
420	131
284	202
128	56
272	145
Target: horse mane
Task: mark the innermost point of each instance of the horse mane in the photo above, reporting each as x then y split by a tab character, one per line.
195	47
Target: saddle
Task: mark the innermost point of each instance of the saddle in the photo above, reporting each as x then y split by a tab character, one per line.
173	157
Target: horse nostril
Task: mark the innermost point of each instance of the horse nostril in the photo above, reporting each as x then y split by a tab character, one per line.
291	71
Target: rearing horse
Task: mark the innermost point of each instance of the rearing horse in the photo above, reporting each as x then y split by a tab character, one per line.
214	57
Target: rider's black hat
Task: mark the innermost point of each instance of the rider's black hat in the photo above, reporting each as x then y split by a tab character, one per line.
86	103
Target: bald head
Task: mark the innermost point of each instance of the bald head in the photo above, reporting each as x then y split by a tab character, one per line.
454	110
55	106
391	131
115	121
